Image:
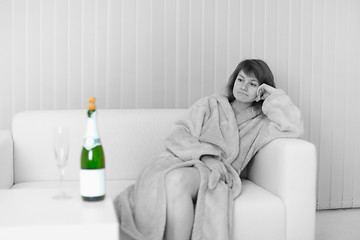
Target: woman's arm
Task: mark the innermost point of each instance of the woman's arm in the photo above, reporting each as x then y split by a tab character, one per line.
283	115
283	118
184	142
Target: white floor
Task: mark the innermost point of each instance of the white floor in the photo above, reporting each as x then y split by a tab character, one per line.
342	224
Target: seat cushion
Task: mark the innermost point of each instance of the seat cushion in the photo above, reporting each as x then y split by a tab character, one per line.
258	214
113	188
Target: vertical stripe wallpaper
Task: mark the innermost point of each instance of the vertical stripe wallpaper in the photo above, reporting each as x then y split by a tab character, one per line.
54	54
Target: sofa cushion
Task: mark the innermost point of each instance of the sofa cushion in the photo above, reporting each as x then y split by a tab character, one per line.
113	188
258	214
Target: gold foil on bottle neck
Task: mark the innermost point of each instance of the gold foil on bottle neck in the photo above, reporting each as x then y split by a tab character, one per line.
92	105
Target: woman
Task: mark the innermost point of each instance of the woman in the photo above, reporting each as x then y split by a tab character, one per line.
188	191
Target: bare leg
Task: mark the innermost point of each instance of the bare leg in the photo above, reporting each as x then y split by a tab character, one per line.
182	186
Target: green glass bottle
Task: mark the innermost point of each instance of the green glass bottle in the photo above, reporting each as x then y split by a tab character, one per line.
92	166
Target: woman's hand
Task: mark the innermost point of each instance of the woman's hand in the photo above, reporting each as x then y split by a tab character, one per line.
263	92
216	165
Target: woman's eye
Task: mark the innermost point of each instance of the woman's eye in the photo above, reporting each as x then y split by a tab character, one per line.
254	85
241	80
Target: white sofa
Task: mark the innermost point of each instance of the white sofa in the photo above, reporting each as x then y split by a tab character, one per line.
278	197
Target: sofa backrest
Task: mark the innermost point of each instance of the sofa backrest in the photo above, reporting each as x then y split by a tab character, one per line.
130	139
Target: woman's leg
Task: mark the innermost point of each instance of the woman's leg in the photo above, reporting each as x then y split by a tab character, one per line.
182	185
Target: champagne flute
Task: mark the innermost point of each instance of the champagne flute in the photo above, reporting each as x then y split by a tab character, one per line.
61	151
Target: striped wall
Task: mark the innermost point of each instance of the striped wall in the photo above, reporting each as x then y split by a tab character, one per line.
54	54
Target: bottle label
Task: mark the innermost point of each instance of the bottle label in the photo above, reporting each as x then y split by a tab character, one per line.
92	182
90	143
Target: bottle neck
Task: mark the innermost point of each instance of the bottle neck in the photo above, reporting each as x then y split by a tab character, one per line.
91	127
90	112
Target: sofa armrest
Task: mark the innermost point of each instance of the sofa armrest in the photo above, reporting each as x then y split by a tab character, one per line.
6	160
287	168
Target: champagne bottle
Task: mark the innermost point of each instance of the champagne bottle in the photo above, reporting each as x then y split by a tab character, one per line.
92	172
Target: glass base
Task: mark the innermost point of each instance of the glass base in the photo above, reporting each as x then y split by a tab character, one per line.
62	196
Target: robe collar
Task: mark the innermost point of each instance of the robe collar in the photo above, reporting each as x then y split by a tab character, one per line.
247	114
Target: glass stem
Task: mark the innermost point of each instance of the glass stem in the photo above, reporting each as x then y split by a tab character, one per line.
62	172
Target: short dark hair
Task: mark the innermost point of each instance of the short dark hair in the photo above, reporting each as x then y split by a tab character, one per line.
251	67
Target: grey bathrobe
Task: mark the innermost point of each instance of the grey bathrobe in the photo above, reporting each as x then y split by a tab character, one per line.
210	127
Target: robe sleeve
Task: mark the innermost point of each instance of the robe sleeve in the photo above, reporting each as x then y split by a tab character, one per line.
183	141
283	118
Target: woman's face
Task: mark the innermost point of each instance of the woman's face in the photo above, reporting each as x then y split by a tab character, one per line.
245	87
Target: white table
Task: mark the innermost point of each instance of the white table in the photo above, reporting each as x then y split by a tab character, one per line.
34	214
